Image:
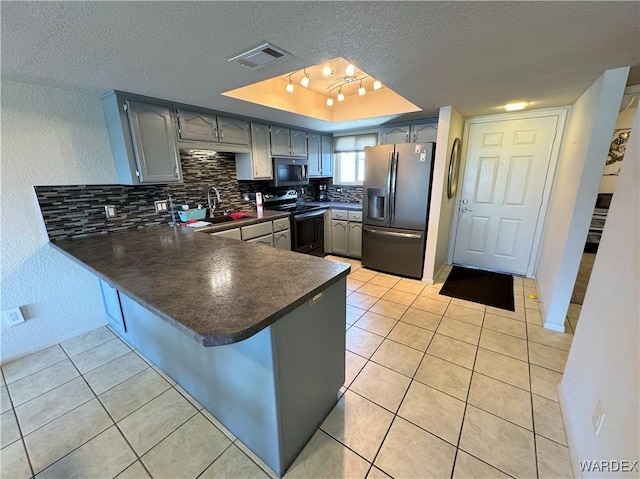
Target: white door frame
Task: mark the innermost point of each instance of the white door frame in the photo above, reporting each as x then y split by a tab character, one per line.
562	114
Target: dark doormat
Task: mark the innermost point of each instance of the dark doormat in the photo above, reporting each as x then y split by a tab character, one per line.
484	287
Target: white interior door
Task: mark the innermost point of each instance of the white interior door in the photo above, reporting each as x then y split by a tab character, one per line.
502	192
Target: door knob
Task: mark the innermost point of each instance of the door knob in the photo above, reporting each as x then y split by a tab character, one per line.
464	210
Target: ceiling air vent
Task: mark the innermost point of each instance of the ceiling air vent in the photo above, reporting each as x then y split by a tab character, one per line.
258	57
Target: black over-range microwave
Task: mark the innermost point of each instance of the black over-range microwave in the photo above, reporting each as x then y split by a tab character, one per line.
290	172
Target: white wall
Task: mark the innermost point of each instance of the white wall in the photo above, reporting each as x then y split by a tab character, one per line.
603	364
625	118
450	126
585	144
49	137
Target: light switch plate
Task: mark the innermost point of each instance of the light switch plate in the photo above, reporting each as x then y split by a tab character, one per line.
14	316
110	211
162	206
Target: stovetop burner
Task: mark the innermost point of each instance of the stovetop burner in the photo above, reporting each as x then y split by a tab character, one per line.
287	201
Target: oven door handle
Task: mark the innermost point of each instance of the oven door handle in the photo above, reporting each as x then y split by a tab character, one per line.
305	216
392	233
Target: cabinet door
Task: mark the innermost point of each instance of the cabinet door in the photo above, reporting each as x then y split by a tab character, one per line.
299	143
327	155
233	234
424	132
315	167
197	126
282	240
339	239
394	134
268	240
355	240
233	132
280	141
154	142
261	152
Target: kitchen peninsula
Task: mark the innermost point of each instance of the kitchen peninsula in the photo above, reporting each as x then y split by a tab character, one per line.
255	334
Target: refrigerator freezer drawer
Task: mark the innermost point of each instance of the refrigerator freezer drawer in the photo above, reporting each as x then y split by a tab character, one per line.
393	251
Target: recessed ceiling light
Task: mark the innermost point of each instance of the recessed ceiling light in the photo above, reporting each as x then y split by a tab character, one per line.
326	71
350	70
377	85
516	106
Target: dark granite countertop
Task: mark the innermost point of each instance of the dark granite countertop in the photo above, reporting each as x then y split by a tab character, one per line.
266	215
338	205
216	290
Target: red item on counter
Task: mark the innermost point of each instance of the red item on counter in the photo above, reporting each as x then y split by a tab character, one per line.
239	215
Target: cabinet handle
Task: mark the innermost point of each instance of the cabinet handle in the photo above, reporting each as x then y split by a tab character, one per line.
175	171
221	134
215	131
407	138
414	137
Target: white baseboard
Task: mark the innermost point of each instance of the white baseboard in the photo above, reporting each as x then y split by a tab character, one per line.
52	342
577	473
554	326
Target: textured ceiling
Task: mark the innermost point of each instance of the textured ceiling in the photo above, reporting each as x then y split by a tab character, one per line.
473	55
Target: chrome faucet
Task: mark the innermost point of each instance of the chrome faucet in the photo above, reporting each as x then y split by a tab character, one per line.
216	201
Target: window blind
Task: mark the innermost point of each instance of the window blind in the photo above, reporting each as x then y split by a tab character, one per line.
354	142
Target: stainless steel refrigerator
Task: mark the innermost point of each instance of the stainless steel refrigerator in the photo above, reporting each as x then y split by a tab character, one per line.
396	195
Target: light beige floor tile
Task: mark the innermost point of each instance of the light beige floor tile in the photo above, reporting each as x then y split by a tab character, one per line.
422	319
550	358
323	456
9	431
459	330
13	462
5	402
233	463
500	443
99	355
469	467
353	365
353	314
373	290
87	341
503	368
433	292
410	286
33	363
359	424
59	437
398	357
504	344
517	315
453	350
429	304
505	325
42	381
550	338
362	301
389	308
104	456
403	453
114	372
468	304
128	396
412	336
376	323
362	342
464	313
188	397
381	385
203	441
213	420
554	460
164	375
518	301
375	473
531	303
148	425
353	284
544	382
547	419
533	316
444	376
52	404
134	471
400	297
362	275
503	400
434	411
386	280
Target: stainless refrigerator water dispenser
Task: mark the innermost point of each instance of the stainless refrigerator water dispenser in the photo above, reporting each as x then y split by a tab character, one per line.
376	203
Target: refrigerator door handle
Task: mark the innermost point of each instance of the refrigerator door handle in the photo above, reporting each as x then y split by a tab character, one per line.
392	233
392	191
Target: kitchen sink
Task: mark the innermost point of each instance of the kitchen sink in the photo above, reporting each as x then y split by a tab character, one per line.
222	219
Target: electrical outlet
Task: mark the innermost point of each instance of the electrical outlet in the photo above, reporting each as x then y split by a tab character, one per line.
14	316
598	418
162	206
110	211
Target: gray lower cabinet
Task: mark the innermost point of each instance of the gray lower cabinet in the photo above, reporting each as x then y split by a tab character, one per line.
272	233
266	239
339	237
143	140
355	240
282	240
233	234
346	233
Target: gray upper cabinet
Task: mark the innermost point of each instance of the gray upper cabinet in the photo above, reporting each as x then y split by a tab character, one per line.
143	140
197	126
315	158
410	133
257	164
287	142
327	155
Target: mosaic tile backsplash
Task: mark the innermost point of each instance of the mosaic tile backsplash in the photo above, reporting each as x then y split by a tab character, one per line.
79	209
